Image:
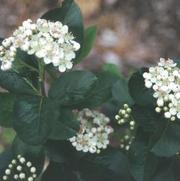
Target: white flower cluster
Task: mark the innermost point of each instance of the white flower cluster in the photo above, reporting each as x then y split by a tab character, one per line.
124	116
164	79
50	41
94	132
20	169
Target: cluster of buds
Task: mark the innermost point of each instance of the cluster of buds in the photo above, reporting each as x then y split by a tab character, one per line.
125	119
164	79
124	116
94	132
20	169
49	41
126	141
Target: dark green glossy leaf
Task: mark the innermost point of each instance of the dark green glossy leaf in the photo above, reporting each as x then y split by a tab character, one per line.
138	155
167	169
151	166
22	59
14	83
164	135
101	91
27	66
168	143
121	93
89	40
163	169
59	172
63	152
144	164
6	109
32	116
141	95
66	126
146	117
72	87
111	164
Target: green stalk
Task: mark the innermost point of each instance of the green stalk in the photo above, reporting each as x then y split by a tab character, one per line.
41	78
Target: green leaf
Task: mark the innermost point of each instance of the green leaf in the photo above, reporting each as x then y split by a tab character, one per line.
89	40
63	152
72	87
55	151
162	169
143	163
113	69
111	164
65	127
6	109
69	14
23	59
32	116
138	155
34	154
151	166
164	135
146	117
121	93
167	169
59	172
14	83
55	171
168	143
27	66
141	95
101	91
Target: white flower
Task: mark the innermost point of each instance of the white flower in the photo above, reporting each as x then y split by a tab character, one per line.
19	169
164	79
22	176
33	169
6	66
94	132
30	179
50	41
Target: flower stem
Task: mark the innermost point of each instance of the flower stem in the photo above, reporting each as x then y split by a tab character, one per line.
41	78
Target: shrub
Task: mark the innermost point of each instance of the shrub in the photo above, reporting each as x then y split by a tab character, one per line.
86	126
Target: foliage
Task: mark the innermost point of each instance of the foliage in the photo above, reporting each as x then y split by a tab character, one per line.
44	120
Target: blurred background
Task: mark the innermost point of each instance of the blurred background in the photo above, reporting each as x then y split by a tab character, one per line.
131	33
